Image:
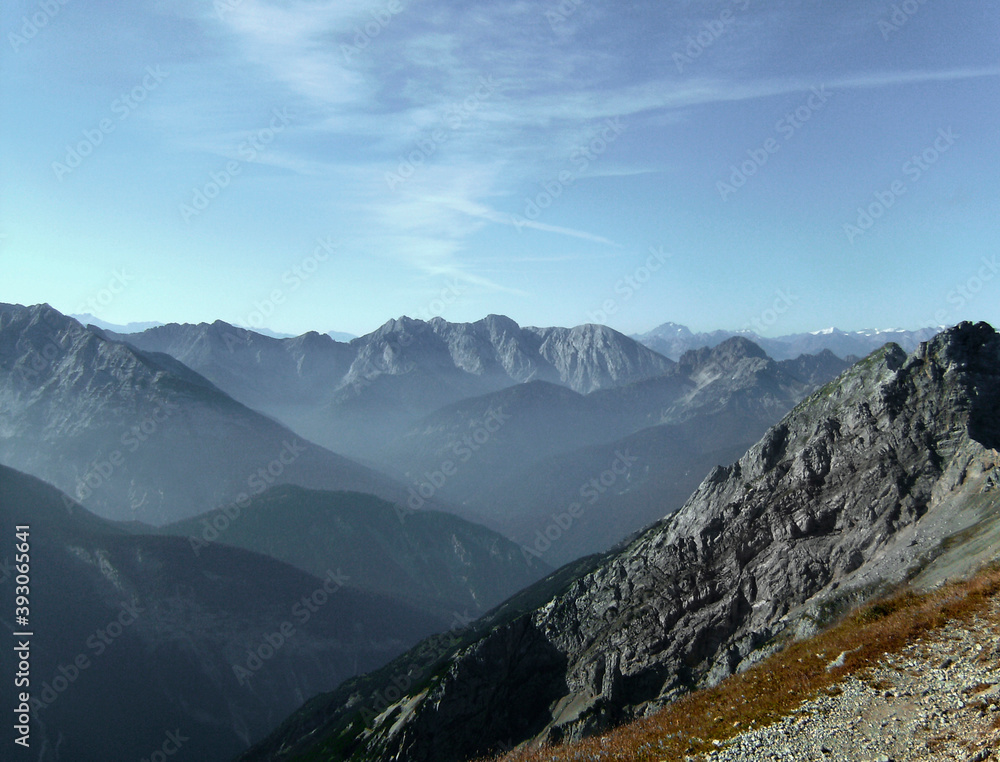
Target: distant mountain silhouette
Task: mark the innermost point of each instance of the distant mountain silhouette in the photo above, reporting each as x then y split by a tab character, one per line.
135	435
136	635
351	397
673	340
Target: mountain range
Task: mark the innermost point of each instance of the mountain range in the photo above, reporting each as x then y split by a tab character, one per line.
136	435
623	456
462	413
673	340
888	474
535	496
135	635
351	397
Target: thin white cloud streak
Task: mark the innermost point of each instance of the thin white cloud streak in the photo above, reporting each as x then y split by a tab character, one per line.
548	100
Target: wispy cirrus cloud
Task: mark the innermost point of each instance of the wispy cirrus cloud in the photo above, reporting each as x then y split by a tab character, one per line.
378	80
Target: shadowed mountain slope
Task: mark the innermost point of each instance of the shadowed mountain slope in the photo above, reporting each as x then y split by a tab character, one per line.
889	472
136	435
139	632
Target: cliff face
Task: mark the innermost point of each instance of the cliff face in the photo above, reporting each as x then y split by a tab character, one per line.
858	487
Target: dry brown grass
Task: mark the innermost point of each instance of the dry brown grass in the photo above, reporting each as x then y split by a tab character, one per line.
772	689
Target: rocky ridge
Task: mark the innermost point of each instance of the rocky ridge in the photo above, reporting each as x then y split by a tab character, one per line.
351	396
136	435
866	483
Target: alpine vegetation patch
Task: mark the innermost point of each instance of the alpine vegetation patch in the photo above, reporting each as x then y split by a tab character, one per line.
913	170
122	107
786	127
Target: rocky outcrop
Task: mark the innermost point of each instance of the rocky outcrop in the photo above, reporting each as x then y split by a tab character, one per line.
886	473
551	442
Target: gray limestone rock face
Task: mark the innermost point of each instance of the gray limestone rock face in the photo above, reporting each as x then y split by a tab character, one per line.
886	474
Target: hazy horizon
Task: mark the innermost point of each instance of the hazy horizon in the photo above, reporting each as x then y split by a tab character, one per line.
558	162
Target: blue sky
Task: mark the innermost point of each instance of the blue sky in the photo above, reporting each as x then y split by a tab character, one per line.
329	165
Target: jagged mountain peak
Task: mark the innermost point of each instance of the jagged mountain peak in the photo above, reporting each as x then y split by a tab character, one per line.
104	420
886	474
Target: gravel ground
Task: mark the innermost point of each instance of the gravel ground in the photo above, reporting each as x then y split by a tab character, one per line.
939	699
